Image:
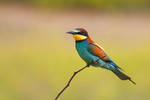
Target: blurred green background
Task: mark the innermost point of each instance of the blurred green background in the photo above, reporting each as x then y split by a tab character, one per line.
37	57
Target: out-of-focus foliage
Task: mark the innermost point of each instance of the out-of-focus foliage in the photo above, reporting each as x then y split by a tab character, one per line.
100	4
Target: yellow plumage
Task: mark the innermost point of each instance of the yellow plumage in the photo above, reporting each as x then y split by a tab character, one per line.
78	37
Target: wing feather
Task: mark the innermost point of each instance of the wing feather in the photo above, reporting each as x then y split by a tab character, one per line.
98	51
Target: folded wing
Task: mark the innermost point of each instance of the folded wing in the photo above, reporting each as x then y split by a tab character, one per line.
98	51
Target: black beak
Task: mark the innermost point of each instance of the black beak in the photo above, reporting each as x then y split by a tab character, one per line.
70	32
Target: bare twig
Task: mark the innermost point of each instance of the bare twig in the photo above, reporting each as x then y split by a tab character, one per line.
75	73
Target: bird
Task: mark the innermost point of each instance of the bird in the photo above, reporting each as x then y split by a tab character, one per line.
94	55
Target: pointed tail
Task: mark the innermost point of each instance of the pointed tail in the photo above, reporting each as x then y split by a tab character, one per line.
123	76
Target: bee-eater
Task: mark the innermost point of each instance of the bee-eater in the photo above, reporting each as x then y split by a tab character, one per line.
95	55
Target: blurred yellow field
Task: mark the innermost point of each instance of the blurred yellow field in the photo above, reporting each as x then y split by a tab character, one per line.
38	57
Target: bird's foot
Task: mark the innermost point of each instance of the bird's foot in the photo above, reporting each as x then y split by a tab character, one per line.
88	65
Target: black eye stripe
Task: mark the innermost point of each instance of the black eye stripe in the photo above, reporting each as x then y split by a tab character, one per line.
81	33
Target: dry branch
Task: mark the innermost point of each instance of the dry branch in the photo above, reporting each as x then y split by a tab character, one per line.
75	73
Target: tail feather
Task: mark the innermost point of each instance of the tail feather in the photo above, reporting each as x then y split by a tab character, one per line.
123	76
115	66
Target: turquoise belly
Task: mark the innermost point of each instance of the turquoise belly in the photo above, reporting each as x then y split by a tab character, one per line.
83	52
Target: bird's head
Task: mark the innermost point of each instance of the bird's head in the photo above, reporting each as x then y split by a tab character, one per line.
79	34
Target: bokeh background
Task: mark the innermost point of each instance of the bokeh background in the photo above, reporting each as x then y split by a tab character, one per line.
37	57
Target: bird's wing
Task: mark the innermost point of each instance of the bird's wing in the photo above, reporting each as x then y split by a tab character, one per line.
98	51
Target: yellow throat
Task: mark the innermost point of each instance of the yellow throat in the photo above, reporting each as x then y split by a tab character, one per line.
78	37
